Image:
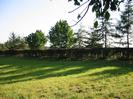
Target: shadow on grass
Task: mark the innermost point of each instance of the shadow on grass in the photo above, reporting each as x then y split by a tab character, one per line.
21	69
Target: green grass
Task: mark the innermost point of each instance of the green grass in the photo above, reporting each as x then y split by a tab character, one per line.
24	78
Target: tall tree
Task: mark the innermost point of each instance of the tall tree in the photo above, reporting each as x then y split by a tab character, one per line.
126	22
36	40
61	35
105	27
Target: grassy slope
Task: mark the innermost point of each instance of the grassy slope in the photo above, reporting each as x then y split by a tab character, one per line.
42	79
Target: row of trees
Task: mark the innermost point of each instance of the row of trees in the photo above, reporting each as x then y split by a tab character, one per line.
60	36
33	41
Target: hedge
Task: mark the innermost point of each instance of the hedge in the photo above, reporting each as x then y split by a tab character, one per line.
75	54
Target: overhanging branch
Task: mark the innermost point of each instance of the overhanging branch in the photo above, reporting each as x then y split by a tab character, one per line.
78	7
82	16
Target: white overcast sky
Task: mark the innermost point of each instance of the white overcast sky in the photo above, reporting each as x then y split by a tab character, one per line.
26	16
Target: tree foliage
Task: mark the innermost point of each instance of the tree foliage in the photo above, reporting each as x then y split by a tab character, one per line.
80	38
36	40
15	42
101	7
2	46
126	22
94	39
105	28
61	35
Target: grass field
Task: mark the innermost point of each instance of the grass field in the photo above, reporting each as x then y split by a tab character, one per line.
24	78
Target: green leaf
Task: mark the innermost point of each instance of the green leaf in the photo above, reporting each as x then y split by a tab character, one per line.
113	6
93	8
91	2
107	15
96	24
78	17
76	2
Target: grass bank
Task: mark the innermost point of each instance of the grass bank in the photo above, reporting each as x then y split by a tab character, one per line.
26	78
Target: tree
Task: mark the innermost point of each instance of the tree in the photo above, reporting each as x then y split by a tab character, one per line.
61	35
88	39
105	28
100	7
94	38
80	37
126	22
15	42
36	40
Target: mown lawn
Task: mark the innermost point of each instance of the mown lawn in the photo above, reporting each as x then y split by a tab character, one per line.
26	78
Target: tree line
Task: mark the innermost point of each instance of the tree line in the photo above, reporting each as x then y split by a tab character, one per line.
103	34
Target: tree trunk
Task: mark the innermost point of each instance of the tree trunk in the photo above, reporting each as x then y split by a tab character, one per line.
128	40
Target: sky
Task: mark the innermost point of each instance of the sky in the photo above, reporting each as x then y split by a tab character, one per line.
26	16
